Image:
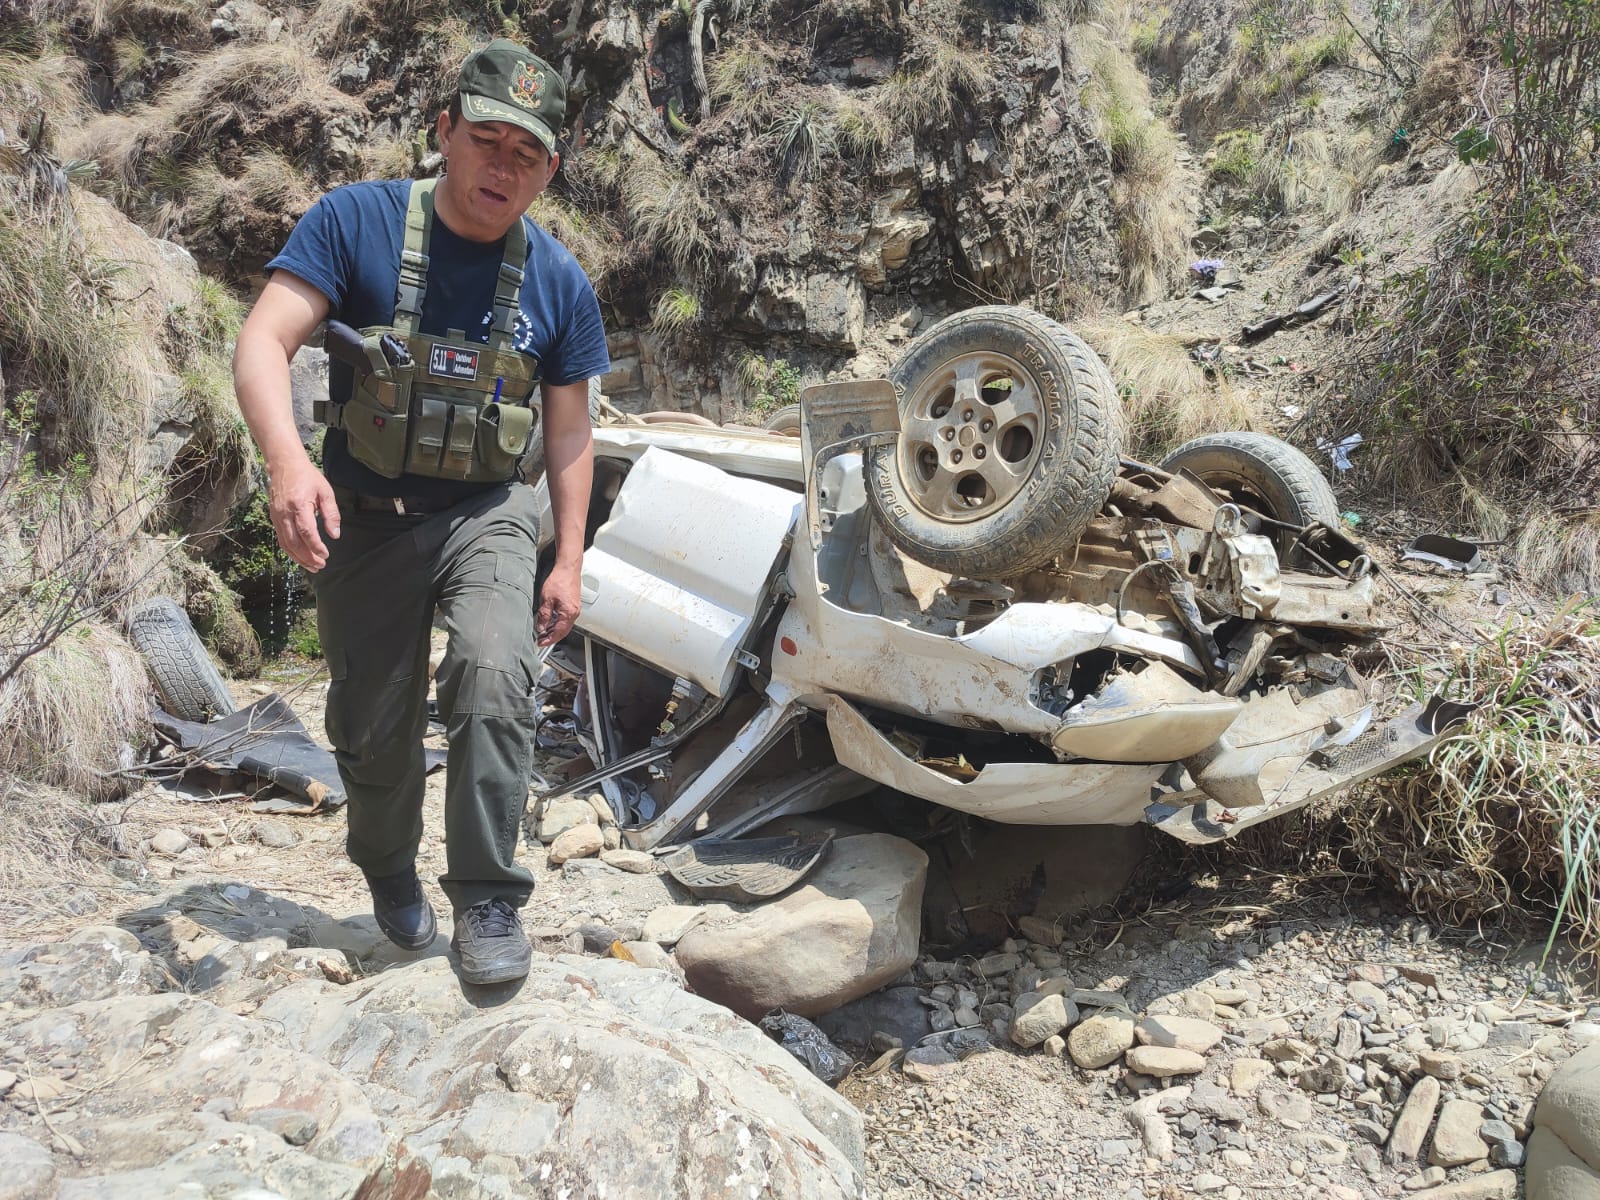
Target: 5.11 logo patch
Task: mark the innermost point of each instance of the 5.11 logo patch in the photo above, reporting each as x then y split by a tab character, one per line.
452	362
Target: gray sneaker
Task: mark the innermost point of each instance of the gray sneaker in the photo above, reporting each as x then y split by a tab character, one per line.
491	943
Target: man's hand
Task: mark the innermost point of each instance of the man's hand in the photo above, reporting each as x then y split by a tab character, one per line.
298	494
560	601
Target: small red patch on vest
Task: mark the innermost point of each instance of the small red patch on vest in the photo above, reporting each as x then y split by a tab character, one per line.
787	646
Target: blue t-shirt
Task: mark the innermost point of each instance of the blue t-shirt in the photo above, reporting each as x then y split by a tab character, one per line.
348	248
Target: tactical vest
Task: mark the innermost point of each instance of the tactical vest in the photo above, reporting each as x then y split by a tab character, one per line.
447	408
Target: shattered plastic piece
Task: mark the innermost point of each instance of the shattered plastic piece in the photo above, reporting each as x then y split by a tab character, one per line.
1206	269
1450	553
809	1044
1339	452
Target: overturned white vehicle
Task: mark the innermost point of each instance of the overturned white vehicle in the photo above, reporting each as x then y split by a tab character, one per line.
952	585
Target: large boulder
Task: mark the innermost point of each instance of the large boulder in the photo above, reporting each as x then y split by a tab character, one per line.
1564	1151
590	1078
853	926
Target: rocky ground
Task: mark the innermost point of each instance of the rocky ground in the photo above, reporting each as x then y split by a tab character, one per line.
1249	1035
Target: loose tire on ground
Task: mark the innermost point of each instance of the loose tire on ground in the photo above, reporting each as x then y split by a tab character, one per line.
1010	439
184	675
1263	472
785	420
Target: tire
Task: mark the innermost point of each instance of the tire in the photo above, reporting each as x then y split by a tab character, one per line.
785	420
1041	417
190	686
1265	473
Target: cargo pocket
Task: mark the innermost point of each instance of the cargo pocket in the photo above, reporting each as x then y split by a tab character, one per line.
503	431
377	436
428	439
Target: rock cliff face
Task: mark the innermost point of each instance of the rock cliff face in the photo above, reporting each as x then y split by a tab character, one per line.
808	184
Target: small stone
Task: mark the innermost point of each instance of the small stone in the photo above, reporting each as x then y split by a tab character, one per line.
1040	931
170	842
1232	997
1368	996
1206	1182
279	835
562	815
1285	1049
635	862
1418	973
1292	1110
1497	1185
1246	1075
611	836
1509	1153
292	1125
998	964
929	1063
1369	1131
581	841
1347	1044
1236	1160
1367	973
1322	1148
1055	1045
1430	1177
667	924
1100	1040
8	1080
1497	1131
1040	1016
966	1017
1440	1065
1163	1062
1405	1139
1455	1140
1196	1004
1186	1033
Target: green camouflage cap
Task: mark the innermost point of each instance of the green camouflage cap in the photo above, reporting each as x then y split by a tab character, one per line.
507	82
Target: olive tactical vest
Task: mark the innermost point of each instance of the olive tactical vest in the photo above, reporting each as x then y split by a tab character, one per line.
443	407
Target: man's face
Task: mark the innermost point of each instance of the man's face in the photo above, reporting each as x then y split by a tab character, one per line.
495	171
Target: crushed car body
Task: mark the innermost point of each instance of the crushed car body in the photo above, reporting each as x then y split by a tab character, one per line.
774	624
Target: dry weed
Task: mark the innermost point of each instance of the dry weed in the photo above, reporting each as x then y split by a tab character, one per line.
942	68
1504	817
1166	398
744	79
665	210
1148	192
53	850
592	237
71	715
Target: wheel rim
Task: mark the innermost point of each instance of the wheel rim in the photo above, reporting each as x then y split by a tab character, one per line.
970	436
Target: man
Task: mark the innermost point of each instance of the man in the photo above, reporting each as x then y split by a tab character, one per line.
458	300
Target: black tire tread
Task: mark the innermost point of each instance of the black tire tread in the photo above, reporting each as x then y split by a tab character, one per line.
1088	470
783	420
1298	475
189	683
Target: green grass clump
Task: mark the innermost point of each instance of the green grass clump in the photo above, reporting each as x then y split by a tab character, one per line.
675	310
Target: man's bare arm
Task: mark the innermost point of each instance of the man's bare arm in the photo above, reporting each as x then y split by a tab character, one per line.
569	473
283	318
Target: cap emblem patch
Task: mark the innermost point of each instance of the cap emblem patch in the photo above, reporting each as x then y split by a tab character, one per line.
527	86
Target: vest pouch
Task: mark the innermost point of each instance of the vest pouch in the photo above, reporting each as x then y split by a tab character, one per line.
377	435
503	431
458	442
429	436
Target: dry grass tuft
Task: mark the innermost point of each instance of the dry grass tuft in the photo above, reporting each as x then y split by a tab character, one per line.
1148	191
1295	171
743	81
70	714
1505	815
592	237
665	210
864	129
941	69
53	850
1166	397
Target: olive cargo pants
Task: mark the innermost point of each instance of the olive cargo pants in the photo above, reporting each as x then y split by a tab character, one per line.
386	572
